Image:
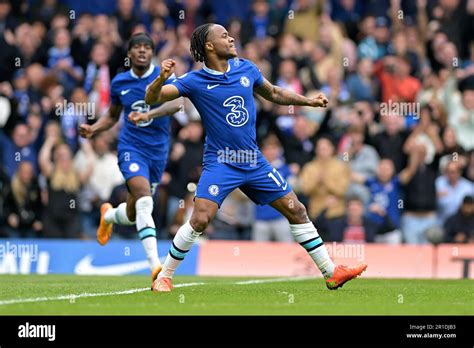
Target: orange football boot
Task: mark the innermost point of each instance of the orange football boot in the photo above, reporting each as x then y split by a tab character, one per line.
162	284
155	272
104	231
343	274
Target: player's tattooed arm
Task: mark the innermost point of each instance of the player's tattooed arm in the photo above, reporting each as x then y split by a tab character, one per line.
156	92
283	96
168	108
104	123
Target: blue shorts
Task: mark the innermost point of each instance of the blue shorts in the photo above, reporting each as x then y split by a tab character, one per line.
133	163
262	184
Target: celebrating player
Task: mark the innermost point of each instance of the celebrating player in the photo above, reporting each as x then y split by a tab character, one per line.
142	147
222	91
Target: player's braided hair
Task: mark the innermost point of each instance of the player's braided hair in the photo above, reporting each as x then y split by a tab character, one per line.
198	42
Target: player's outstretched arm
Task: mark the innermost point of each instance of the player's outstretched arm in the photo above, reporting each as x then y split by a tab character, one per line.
104	123
282	96
155	91
166	109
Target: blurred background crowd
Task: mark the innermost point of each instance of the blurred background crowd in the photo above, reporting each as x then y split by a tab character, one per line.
390	160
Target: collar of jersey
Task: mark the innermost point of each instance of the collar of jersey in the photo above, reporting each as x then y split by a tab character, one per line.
215	72
148	72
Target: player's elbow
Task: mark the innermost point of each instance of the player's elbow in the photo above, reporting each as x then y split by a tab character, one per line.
149	98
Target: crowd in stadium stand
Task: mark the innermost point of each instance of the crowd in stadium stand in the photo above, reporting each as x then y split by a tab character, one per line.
390	160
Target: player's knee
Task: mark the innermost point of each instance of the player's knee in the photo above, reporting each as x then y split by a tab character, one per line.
298	214
200	221
144	205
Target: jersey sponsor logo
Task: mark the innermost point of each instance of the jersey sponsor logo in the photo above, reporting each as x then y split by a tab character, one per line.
244	81
238	115
213	190
125	91
134	167
141	106
212	86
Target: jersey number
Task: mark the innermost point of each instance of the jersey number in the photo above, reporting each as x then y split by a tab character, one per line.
280	182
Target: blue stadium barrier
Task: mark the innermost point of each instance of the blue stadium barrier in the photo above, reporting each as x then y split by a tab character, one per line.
118	257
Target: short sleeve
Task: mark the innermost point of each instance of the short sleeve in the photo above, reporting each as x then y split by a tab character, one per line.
182	83
114	93
257	75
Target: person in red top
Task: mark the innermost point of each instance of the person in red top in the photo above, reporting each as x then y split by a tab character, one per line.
395	79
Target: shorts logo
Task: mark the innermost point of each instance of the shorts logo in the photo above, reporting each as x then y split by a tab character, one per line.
213	190
244	81
134	167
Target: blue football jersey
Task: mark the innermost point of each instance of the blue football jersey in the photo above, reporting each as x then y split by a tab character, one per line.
226	105
150	138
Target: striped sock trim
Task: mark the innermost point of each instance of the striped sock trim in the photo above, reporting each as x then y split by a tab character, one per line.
147	232
177	253
312	244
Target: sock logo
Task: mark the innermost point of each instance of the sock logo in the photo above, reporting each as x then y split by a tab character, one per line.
134	167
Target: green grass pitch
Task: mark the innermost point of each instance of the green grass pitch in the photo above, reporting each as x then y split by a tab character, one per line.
128	295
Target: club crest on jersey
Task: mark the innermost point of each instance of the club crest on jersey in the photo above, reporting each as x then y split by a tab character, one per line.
134	167
213	190
141	106
244	81
238	115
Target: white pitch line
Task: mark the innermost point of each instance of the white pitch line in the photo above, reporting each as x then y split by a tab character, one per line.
273	280
133	291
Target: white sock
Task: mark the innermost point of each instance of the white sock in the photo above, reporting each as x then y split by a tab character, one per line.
307	236
146	230
182	242
118	215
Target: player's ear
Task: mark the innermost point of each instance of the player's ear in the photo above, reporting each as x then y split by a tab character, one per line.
209	46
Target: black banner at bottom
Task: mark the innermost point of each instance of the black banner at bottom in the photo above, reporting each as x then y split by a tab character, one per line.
64	331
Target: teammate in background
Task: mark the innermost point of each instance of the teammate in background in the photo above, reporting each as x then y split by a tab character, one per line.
222	92
142	147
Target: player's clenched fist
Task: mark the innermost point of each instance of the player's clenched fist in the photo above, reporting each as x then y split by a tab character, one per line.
85	130
319	101
167	68
136	117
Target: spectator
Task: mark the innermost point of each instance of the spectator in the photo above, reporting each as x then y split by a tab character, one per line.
184	166
390	140
23	204
459	228
352	227
17	149
420	199
61	218
386	193
5	188
305	19
298	146
98	188
325	181
270	224
451	188
375	45
396	83
362	158
361	85
61	61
